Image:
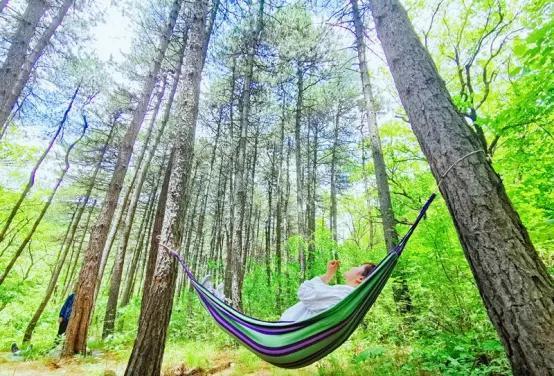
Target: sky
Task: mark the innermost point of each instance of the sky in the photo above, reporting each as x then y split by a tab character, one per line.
113	36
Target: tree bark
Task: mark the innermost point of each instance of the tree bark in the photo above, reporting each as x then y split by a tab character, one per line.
17	53
60	260
155	237
31	180
144	230
126	208
76	250
513	282
148	349
370	109
77	329
152	249
142	171
67	242
24	71
401	292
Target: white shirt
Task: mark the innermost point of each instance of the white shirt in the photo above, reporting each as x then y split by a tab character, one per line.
315	297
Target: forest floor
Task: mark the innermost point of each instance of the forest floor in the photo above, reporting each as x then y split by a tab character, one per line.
224	363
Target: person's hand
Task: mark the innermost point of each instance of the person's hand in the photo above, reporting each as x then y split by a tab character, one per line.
60	319
332	267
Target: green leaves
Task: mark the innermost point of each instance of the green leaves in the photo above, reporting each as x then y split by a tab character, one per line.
369	353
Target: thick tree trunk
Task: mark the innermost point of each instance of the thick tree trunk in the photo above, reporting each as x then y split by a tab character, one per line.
67	243
24	71
515	286
38	163
142	171
60	260
148	349
85	295
76	250
152	253
17	53
152	248
128	206
45	208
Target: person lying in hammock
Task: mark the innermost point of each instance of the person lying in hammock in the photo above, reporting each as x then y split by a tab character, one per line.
316	295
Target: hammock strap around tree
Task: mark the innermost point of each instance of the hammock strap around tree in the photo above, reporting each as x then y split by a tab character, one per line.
298	344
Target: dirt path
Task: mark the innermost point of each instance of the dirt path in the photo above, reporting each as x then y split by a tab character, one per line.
10	366
106	364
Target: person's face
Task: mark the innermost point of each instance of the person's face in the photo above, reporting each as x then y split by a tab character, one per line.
354	276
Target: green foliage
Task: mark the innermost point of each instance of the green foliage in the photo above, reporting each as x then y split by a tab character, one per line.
448	331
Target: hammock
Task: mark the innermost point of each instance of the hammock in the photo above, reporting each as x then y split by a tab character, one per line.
298	344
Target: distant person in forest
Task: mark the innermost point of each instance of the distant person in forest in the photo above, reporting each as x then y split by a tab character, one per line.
316	295
65	313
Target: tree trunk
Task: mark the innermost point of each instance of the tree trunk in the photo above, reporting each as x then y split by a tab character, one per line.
279	210
142	171
299	172
24	71
31	181
333	209
312	197
68	281
60	260
144	230
17	53
515	286
148	349
85	295
67	242
129	205
401	292
370	109
240	184
47	204
199	240
228	265
249	227
152	249
155	237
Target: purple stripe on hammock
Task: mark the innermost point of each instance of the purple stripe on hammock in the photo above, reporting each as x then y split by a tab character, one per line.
285	350
285	329
324	351
266	330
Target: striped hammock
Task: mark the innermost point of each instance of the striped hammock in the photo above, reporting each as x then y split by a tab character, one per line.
298	344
